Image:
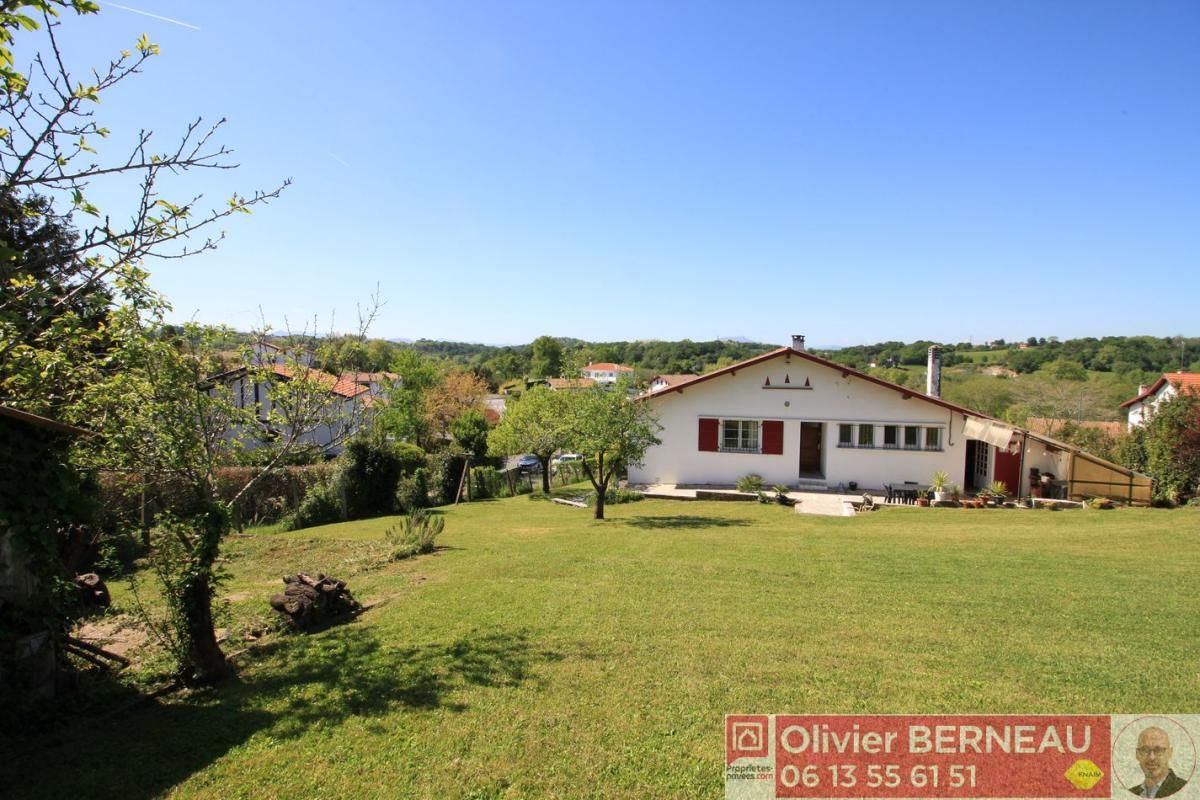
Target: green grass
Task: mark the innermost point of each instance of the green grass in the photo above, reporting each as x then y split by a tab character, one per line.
543	654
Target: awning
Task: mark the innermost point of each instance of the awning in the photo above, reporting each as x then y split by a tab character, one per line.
994	433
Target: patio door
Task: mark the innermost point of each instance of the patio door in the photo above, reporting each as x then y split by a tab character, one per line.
810	449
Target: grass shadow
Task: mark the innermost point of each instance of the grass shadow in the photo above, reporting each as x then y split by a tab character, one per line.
683	521
291	684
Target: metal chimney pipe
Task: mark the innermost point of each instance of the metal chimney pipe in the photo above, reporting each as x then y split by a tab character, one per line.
933	376
798	342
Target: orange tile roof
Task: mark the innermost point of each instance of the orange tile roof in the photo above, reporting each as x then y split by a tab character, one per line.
342	386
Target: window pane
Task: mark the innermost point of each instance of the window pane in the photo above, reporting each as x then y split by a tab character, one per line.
891	435
911	436
845	434
729	433
933	438
866	435
750	434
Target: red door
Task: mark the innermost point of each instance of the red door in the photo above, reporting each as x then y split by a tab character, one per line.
1008	469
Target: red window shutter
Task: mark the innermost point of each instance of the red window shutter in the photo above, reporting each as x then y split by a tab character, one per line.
772	437
709	433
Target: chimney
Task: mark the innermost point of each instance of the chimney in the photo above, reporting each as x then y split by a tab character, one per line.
798	342
933	377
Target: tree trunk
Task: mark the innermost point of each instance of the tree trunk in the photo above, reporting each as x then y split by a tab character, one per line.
208	663
545	462
600	490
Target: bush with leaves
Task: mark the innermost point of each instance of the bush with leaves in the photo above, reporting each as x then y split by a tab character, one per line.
415	534
412	492
486	482
749	483
321	506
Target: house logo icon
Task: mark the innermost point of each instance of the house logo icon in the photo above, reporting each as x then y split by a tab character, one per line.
746	736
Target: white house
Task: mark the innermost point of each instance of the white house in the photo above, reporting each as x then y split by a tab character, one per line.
334	420
800	420
607	372
1150	397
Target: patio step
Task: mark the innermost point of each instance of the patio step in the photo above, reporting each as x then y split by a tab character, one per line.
811	485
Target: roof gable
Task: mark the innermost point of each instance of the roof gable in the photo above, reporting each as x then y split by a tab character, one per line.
787	352
1180	380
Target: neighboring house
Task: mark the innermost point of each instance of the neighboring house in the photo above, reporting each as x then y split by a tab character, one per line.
250	389
375	382
804	421
660	382
606	372
1149	397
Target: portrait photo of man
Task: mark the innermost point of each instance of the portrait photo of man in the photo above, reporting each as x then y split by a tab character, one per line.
1154	757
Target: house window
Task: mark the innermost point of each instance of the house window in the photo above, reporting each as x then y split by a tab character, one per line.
739	435
845	435
891	436
912	437
933	438
866	435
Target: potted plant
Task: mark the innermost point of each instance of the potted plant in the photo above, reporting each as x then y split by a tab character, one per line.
922	498
938	485
998	491
956	494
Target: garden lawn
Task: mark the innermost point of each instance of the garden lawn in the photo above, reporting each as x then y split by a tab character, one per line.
545	654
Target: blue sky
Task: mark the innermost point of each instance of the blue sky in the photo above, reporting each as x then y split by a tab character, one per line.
855	171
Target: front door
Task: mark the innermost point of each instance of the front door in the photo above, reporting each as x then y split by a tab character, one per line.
1008	470
810	449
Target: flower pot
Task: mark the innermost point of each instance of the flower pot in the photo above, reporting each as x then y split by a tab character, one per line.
922	502
941	497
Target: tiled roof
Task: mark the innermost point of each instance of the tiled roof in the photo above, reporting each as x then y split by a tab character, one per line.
605	366
1180	380
804	354
342	386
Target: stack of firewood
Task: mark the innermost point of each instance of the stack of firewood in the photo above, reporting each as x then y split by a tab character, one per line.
307	601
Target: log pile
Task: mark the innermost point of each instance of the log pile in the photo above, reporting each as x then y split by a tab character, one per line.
307	601
93	593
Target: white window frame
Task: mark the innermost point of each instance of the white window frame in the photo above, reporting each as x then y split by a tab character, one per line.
748	436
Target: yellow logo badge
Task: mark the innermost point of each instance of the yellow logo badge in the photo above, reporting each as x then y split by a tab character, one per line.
1083	774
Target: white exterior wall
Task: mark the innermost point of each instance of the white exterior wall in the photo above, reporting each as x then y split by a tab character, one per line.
833	399
1140	413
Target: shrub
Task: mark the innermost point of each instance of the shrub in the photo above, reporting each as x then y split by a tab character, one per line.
412	492
445	472
781	495
1101	503
416	534
321	506
368	472
486	482
750	483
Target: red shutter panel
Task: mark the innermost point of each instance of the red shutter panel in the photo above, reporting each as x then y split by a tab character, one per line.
772	437
709	433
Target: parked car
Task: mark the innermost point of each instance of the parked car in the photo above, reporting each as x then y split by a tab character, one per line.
565	458
529	464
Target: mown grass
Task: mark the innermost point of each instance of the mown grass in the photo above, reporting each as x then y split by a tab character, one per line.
544	654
